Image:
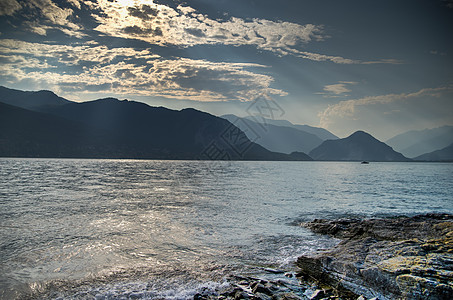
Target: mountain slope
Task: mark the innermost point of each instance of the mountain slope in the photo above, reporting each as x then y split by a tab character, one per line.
30	100
359	146
26	133
445	154
417	142
276	138
322	133
110	128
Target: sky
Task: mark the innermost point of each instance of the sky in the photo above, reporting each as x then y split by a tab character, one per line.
384	67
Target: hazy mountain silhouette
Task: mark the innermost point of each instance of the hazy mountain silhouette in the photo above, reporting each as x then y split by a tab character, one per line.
359	146
417	142
125	129
276	138
445	154
26	133
322	133
30	100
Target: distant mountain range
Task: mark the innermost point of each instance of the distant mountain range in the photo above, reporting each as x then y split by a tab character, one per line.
110	128
322	133
30	100
445	154
359	146
276	138
417	142
42	124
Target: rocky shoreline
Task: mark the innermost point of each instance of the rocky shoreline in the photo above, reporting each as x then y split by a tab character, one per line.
392	258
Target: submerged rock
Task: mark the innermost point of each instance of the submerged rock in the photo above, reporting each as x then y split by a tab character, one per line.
405	257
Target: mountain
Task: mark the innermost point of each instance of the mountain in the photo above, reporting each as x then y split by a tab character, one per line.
445	154
276	138
322	133
30	100
110	128
417	142
26	133
359	146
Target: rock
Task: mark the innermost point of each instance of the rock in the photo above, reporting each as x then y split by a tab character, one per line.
287	296
317	295
405	257
260	288
241	295
289	275
197	296
274	271
262	296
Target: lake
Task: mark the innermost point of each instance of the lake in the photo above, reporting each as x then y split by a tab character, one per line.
100	229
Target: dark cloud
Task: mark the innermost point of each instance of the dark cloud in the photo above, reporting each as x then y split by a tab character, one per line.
145	12
195	32
136	30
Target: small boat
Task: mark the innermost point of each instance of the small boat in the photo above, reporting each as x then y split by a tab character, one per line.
365	162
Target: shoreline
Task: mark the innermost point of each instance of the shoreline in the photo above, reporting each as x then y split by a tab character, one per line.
380	258
386	258
390	258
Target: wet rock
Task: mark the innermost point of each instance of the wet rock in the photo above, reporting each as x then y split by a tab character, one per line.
406	257
197	296
318	295
287	296
261	296
260	288
274	271
241	295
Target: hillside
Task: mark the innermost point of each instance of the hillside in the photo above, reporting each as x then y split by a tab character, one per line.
359	146
110	128
445	154
417	142
30	100
322	133
276	138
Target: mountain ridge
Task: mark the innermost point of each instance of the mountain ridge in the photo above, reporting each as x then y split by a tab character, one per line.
22	98
442	155
322	133
112	128
276	138
414	143
359	146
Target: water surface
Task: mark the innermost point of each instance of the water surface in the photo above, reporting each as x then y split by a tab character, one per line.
111	228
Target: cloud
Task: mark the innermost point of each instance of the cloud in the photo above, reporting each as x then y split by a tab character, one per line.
184	27
97	68
75	3
9	7
73	55
337	89
435	52
413	107
39	16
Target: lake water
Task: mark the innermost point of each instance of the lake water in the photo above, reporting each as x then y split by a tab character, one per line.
168	229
